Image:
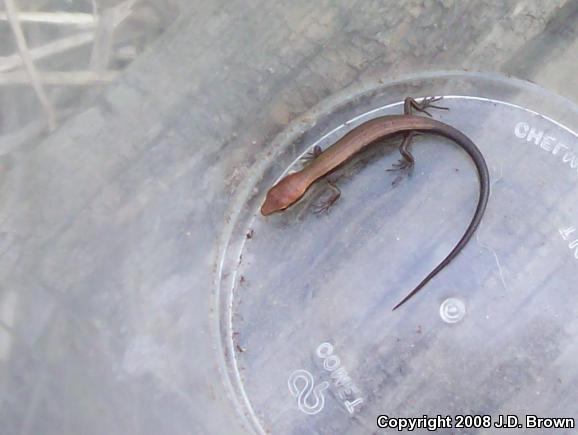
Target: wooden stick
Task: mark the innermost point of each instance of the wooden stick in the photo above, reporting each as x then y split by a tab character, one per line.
108	21
12	13
8	63
57	46
59	78
61	18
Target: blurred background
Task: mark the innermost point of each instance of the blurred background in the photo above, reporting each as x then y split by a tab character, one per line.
55	56
126	128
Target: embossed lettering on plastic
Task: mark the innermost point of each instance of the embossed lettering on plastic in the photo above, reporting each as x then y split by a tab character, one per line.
546	142
566	234
346	389
310	398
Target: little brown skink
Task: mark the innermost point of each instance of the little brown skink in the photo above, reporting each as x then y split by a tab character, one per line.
292	187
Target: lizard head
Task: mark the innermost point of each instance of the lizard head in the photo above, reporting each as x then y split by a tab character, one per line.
283	194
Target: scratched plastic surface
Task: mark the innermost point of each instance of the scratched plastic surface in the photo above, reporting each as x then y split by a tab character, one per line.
309	339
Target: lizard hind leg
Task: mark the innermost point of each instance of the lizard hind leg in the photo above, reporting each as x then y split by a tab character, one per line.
410	104
407	161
